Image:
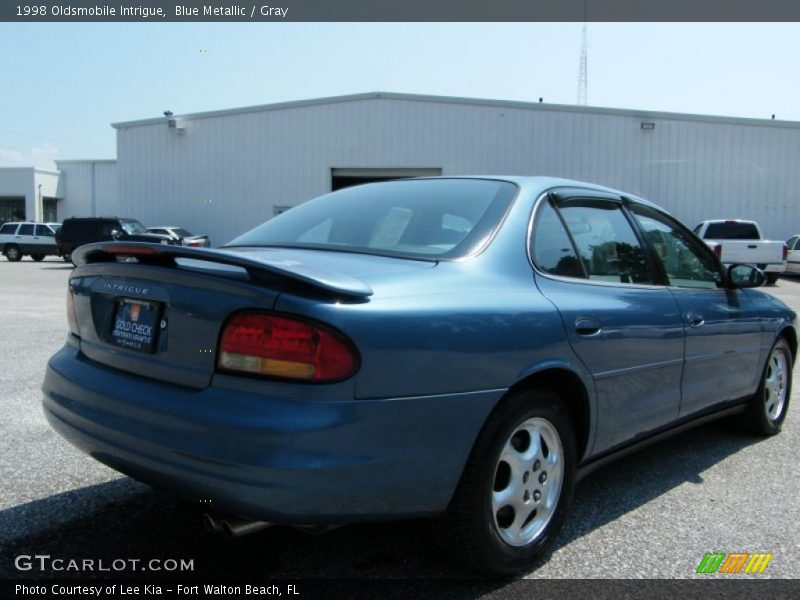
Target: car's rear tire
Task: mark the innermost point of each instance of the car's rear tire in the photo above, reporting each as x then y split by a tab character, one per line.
767	409
67	257
13	253
37	257
771	278
515	491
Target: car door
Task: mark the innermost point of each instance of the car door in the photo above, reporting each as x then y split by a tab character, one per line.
44	240
625	327
25	238
723	330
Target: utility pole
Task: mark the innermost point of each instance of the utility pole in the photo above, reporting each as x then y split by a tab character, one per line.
583	73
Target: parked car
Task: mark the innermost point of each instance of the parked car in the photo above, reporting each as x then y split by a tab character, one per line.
37	240
182	236
793	254
78	231
740	242
465	348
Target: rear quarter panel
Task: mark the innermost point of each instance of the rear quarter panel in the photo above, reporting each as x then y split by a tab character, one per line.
440	333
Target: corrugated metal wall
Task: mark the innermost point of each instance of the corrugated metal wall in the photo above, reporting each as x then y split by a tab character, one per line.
225	173
88	188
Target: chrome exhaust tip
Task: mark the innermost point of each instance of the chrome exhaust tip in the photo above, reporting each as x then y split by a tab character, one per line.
212	523
233	528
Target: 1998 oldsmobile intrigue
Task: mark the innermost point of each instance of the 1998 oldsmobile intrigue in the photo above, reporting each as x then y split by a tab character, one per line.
464	348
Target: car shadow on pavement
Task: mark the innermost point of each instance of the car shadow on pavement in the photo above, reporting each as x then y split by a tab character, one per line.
125	519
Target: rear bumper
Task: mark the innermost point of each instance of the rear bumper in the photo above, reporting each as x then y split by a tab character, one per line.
271	458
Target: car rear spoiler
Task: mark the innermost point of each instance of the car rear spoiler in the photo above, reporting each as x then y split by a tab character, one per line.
164	255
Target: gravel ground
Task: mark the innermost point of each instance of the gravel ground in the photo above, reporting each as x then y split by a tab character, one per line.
651	515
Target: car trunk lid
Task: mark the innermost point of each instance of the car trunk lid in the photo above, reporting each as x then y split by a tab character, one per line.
158	311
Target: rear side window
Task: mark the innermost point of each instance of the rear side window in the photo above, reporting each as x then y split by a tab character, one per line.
26	229
8	229
606	242
425	218
79	229
731	230
551	248
108	226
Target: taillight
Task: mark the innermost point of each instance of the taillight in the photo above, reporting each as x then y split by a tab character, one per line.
72	318
785	252
718	251
280	346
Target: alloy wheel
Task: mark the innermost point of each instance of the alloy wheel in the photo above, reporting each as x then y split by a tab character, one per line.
775	384
527	481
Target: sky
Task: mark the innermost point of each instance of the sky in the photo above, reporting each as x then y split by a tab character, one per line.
63	84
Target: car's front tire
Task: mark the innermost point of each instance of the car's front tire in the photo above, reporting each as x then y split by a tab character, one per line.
771	278
516	488
13	253
766	410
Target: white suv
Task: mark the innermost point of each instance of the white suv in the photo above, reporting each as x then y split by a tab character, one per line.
35	239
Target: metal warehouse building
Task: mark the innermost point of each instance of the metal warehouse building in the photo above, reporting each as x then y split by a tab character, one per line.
222	172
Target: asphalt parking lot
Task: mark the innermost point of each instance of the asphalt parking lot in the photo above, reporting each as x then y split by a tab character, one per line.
651	515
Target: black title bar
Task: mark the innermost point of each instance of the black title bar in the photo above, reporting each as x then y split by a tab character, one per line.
399	10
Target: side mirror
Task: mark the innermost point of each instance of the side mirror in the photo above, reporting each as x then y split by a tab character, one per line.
115	233
745	276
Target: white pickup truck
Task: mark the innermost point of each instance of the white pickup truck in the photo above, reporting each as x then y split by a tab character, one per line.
740	242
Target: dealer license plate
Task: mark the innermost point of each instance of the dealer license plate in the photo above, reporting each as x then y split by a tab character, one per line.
135	324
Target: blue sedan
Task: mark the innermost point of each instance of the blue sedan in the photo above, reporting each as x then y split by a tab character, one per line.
460	348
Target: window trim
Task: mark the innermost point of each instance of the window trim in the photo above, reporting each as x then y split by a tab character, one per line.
576	194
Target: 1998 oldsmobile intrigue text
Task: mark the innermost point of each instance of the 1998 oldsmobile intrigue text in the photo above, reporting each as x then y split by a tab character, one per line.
464	348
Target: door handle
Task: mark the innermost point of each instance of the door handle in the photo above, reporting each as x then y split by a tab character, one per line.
587	327
694	319
753	246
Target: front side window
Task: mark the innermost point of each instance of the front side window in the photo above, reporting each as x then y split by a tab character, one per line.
131	227
424	218
685	264
606	242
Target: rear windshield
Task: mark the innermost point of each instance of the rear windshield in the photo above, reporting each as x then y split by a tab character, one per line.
425	218
731	231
